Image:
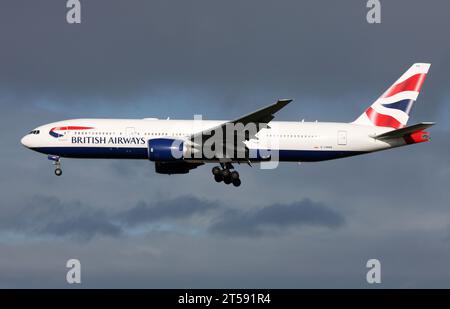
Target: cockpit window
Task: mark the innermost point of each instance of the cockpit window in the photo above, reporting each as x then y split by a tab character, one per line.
35	132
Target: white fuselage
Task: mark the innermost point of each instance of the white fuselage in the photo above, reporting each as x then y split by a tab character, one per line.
128	138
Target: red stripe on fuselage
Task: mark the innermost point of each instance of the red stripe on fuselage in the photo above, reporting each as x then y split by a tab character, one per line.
71	128
414	83
382	120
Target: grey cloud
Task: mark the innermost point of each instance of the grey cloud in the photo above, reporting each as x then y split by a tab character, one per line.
181	207
49	216
275	218
84	226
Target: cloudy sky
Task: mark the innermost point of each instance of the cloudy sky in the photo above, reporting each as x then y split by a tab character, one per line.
313	225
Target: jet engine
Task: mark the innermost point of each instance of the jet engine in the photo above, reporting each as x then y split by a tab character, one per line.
165	150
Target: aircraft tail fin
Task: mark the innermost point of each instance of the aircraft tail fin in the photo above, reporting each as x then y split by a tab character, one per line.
393	107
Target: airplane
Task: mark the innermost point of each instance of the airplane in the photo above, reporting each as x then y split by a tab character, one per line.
178	146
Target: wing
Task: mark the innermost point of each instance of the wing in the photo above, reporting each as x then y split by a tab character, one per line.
254	121
263	115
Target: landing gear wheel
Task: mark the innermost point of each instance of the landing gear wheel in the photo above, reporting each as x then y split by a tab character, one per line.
58	172
216	170
225	173
236	182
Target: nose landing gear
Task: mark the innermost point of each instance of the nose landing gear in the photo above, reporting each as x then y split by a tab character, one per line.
225	174
57	163
58	171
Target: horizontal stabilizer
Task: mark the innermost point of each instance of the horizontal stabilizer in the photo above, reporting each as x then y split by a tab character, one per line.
405	131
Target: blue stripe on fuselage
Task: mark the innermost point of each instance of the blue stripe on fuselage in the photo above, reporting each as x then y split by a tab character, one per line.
54	134
315	155
141	153
96	152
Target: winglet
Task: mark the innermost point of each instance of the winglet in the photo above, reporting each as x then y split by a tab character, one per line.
282	103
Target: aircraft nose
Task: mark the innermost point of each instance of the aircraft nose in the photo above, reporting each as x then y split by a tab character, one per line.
26	141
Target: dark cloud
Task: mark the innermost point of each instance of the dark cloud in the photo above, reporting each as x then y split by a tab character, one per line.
84	226
181	207
49	216
276	217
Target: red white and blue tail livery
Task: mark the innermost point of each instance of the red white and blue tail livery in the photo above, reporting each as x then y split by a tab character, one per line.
393	107
178	146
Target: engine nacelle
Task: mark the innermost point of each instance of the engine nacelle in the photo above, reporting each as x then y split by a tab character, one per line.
177	167
165	149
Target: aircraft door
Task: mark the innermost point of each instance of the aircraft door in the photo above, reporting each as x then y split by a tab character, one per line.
342	138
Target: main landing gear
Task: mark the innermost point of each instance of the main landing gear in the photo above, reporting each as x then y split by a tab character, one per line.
57	163
224	173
